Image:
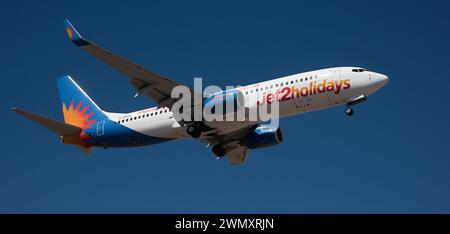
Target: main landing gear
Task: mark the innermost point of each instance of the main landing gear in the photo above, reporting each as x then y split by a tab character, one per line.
194	130
218	150
349	111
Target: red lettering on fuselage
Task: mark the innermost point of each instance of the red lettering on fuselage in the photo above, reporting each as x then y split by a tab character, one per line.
312	89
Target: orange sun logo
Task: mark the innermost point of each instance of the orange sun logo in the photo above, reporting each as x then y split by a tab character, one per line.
76	117
69	32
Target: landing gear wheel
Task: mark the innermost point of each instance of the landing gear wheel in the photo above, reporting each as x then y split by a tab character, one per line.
218	150
349	111
193	130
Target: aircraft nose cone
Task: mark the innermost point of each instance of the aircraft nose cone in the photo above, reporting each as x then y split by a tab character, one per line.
379	80
383	79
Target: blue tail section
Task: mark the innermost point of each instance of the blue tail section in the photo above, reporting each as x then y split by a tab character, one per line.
77	107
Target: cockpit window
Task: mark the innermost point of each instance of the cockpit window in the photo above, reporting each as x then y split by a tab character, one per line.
358	70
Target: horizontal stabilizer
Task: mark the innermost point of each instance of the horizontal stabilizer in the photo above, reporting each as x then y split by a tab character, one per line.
63	129
74	35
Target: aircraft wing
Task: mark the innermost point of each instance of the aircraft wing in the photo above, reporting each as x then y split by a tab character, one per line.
157	87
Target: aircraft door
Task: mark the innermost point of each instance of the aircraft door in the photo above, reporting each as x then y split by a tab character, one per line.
100	128
332	96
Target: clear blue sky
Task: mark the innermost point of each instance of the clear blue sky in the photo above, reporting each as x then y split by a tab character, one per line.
392	156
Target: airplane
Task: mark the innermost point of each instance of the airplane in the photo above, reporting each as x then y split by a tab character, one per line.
86	125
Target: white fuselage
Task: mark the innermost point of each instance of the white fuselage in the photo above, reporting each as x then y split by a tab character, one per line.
299	93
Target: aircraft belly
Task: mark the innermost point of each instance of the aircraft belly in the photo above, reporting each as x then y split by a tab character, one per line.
162	128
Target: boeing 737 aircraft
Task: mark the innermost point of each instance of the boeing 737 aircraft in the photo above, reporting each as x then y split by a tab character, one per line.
86	125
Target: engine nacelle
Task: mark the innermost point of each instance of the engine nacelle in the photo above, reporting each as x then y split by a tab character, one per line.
263	136
226	105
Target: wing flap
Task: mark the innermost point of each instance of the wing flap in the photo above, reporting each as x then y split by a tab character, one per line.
237	155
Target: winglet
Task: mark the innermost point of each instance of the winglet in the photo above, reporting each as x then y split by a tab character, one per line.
74	36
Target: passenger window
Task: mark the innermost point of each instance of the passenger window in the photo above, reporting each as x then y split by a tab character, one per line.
281	84
306	79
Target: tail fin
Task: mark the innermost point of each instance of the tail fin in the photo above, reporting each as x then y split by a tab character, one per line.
80	114
77	107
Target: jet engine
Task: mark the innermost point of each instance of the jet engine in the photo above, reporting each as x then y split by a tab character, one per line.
263	136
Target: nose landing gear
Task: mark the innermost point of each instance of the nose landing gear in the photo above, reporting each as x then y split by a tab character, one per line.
353	101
